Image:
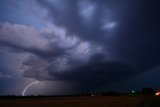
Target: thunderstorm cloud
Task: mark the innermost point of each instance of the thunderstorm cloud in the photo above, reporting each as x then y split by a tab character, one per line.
87	44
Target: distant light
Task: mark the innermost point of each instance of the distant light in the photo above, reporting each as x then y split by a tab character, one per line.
157	94
133	91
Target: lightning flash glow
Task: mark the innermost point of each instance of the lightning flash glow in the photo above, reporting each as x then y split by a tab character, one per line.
24	91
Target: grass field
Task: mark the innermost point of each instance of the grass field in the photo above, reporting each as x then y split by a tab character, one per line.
106	101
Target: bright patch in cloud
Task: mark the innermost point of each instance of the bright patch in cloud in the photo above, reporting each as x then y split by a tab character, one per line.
86	9
2	76
109	25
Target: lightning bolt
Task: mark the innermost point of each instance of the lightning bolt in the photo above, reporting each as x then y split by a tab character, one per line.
24	91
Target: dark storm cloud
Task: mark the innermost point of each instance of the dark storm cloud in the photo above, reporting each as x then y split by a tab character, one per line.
84	18
89	43
136	39
35	67
97	72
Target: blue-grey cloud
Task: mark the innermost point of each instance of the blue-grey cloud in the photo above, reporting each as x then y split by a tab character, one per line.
2	76
88	43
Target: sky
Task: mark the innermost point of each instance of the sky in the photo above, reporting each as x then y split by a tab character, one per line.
55	47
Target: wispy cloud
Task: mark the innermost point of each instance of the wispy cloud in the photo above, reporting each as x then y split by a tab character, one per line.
2	76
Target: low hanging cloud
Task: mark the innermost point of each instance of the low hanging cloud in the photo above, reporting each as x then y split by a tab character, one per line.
96	72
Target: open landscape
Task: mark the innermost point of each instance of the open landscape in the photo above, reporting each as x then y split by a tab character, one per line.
95	101
79	53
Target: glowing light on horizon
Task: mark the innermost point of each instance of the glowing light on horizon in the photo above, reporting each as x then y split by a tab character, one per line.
157	94
24	91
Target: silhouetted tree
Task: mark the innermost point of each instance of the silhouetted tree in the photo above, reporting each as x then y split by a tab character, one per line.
110	93
148	91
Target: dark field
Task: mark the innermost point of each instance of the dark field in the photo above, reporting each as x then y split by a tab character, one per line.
105	101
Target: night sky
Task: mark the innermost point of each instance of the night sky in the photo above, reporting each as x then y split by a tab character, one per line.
50	47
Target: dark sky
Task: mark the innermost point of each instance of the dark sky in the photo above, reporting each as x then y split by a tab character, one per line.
53	47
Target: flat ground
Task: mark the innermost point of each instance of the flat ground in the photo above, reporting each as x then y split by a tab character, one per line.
107	101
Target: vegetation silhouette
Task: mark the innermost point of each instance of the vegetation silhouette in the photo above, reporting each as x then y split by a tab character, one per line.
145	91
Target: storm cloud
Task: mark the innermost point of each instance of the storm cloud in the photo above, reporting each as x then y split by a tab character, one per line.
86	43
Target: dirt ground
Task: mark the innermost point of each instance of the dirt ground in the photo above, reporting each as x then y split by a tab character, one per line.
108	101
